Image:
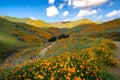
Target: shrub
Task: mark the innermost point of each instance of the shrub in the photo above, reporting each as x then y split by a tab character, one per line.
52	39
63	36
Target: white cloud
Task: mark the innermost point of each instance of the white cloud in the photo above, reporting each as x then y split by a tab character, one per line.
33	18
51	1
52	11
61	6
70	2
83	13
65	13
111	3
86	3
66	20
114	13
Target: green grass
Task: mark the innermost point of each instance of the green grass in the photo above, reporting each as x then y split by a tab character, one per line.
81	46
10	40
86	63
71	44
9	45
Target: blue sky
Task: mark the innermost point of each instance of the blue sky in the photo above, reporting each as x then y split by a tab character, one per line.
61	10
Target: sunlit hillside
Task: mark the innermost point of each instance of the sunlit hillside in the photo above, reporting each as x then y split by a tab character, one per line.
15	36
36	23
68	62
77	50
59	39
42	24
110	30
71	24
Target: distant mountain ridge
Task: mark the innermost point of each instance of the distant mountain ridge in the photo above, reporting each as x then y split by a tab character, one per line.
36	23
72	24
43	24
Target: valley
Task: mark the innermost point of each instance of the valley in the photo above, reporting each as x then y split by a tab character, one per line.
74	50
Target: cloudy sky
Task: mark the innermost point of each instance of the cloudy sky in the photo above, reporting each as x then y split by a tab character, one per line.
61	10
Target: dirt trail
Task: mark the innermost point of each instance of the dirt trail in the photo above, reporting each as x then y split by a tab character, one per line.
18	58
42	52
116	70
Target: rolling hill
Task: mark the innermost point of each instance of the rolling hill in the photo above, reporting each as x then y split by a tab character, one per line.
109	30
36	23
15	36
71	24
42	24
19	33
37	50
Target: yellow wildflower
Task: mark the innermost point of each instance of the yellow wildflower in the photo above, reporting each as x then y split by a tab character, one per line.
82	74
40	77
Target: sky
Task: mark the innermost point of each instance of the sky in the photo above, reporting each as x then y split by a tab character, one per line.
61	10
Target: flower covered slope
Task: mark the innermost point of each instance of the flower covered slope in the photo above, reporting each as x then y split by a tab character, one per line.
86	63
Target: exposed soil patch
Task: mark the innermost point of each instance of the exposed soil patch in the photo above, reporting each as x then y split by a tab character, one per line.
116	70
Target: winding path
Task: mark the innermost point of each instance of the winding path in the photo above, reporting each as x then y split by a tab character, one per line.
42	52
116	70
16	58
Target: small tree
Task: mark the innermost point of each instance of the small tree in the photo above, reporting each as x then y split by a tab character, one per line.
52	39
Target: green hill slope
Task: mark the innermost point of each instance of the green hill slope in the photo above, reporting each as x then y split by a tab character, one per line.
42	24
15	36
36	23
81	54
18	35
67	62
110	30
